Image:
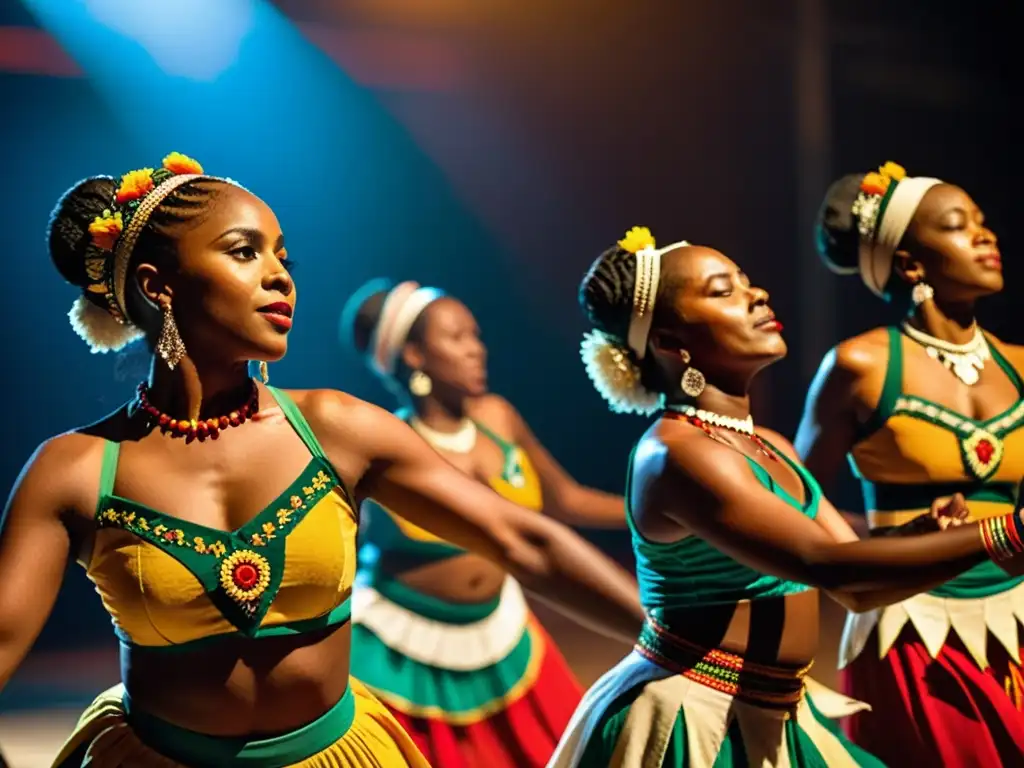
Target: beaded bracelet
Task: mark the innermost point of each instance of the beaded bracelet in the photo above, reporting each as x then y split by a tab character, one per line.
1003	536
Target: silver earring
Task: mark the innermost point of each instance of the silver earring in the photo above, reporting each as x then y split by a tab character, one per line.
264	373
692	382
420	384
921	293
170	346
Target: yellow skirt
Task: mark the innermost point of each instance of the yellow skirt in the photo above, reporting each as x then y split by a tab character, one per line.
107	737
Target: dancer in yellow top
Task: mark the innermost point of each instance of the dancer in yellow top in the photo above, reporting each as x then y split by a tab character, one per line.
216	514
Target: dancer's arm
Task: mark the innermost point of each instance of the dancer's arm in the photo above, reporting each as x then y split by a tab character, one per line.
34	549
726	506
403	472
564	498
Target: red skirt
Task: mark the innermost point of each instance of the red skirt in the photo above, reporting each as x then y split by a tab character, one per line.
943	712
523	735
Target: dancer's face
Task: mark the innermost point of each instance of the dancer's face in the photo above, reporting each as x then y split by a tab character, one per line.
948	246
230	291
450	350
708	307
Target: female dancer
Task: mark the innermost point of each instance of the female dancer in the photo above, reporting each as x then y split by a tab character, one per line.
730	532
444	637
930	408
233	624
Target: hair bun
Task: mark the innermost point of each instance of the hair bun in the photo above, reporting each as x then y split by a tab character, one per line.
836	235
606	292
68	228
361	313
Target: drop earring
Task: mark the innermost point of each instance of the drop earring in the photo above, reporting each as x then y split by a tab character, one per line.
420	384
921	292
692	382
169	345
264	373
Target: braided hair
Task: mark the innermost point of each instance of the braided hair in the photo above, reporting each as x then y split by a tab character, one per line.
68	238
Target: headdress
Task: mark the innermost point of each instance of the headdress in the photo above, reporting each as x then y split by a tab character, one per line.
113	236
402	306
884	208
612	366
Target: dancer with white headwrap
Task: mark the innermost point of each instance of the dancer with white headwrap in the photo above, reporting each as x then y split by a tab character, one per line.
444	637
928	408
731	534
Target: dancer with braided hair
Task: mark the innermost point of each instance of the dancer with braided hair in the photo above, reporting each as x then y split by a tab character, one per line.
216	514
731	533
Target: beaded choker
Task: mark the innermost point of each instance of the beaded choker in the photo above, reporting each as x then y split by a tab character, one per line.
704	420
192	429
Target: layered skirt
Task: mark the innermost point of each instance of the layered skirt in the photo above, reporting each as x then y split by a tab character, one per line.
473	685
357	732
684	708
943	677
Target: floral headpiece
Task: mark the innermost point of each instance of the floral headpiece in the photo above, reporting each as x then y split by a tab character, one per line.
884	208
115	231
613	365
875	191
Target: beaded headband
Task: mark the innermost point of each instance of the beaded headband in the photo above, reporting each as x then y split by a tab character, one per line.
115	232
884	208
403	305
615	376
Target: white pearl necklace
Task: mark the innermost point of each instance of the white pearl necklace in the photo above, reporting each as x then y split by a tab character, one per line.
743	426
965	361
461	440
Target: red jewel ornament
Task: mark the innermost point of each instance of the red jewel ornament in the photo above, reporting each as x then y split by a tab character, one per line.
197	430
984	450
245	576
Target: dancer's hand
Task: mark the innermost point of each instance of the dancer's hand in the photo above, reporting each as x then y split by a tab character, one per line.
944	513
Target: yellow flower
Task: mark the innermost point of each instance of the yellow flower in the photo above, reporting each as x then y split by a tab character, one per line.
179	163
284	516
106	229
200	545
637	239
217	548
894	171
134	185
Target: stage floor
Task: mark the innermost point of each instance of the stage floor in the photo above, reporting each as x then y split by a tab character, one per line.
41	704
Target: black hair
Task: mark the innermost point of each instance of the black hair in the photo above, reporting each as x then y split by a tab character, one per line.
836	234
606	297
68	230
361	314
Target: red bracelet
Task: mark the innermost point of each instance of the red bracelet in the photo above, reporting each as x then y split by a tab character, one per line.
1002	536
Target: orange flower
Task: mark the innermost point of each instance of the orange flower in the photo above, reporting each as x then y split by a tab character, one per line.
893	170
179	163
874	184
134	185
106	229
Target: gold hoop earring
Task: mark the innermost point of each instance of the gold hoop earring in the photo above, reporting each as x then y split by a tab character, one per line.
420	384
169	345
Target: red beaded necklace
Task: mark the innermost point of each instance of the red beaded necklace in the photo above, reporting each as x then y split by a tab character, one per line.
703	425
191	429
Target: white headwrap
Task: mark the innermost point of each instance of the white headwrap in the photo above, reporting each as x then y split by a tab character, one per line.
404	303
880	238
